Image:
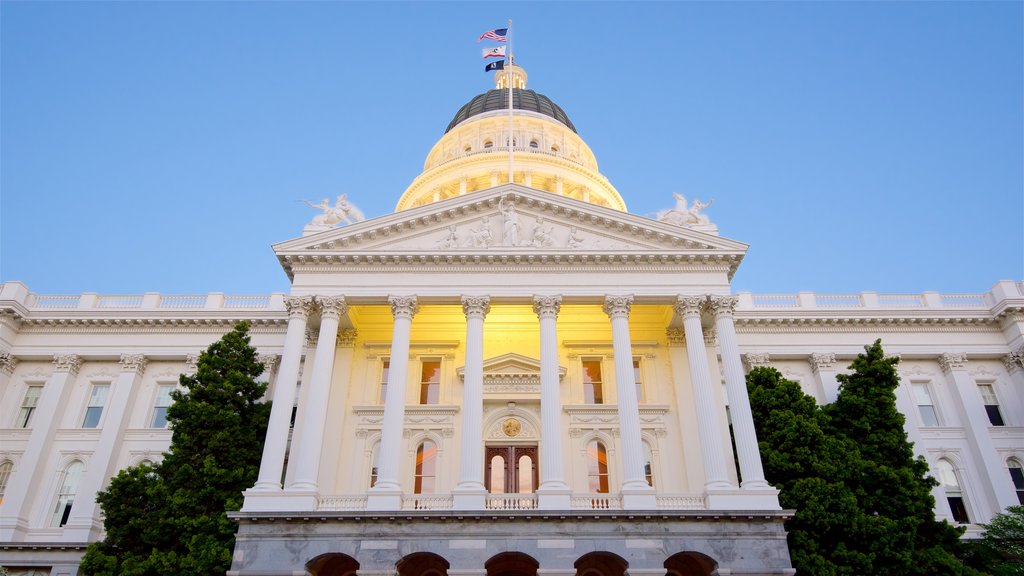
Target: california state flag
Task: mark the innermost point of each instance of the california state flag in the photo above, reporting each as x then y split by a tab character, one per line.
497	52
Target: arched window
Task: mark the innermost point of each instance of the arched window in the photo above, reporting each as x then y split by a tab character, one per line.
467	149
648	465
426	468
554	147
375	462
66	496
5	475
597	467
488	144
534	143
954	494
1016	475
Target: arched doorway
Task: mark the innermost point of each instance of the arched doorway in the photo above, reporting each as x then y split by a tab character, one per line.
335	564
512	564
600	564
690	564
422	564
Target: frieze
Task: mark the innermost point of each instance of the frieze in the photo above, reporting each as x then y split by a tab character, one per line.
100	373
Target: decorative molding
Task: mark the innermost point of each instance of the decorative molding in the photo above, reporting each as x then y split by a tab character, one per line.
547	306
270	362
191	364
953	361
346	338
723	306
756	359
710	336
822	361
299	306
476	306
69	363
332	307
403	306
312	337
7	363
1013	361
676	336
134	363
617	306
689	306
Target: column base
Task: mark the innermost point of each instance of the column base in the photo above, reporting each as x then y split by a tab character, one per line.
81	530
384	499
265	487
279	501
12	529
554	496
743	499
471	496
638	496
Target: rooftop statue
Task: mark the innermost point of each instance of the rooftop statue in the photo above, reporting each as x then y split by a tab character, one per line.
685	215
343	211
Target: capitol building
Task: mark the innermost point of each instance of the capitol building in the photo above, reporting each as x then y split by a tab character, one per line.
509	375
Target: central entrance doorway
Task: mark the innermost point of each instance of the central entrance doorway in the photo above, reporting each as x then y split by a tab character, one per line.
511	469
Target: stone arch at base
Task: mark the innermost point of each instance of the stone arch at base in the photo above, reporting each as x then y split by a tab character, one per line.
422	564
512	564
600	564
333	564
690	564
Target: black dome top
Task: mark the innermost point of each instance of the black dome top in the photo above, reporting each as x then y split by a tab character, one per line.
522	99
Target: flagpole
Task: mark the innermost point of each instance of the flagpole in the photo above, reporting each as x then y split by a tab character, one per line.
508	76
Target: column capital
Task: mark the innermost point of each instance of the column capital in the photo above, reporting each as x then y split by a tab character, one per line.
476	306
547	306
953	361
133	363
676	336
298	306
7	363
756	359
822	361
347	337
689	306
723	306
1013	361
67	363
403	306
269	361
617	306
191	363
710	336
332	306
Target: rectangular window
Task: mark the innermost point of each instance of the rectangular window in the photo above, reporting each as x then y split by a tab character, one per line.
295	406
97	400
959	510
639	379
28	406
1017	476
593	388
385	369
430	381
163	400
925	406
988	398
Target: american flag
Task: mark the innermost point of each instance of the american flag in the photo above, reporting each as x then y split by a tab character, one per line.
498	35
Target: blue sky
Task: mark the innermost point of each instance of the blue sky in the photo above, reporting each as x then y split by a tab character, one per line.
855	146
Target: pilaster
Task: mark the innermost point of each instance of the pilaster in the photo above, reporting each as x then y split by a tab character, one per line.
824	367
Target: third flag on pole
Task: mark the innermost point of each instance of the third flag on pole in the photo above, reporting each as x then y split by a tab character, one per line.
499	65
496	52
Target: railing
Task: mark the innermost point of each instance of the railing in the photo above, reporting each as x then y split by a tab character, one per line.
119	302
900	300
54	301
681	502
868	300
838	300
962	300
342	503
182	302
246	301
511	502
152	301
427	502
775	300
596	502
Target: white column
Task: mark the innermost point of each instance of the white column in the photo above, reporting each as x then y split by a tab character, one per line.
553	492
276	441
712	448
470	492
636	492
28	474
85	524
386	494
824	367
736	387
307	452
990	467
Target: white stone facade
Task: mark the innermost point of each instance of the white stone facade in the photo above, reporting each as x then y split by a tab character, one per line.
467	383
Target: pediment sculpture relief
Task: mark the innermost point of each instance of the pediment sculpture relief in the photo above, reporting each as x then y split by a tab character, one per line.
341	212
687	215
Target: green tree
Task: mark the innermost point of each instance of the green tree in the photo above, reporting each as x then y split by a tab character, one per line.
171	518
863	502
1003	542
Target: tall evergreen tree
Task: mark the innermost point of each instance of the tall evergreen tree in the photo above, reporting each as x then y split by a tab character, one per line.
171	518
863	502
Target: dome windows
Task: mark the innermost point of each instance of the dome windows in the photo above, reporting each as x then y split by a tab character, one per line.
488	144
534	143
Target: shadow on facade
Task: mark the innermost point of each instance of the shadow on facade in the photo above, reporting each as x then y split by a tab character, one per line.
690	564
335	564
512	564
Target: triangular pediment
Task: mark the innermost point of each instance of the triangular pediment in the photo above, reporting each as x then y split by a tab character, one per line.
511	365
510	219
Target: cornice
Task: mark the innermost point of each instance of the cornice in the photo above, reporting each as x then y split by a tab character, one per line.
107	324
824	323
